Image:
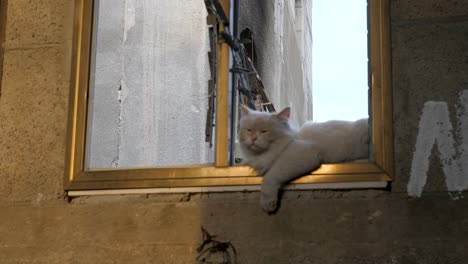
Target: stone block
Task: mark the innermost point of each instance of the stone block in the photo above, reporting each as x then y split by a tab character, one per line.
430	62
416	9
310	227
33	114
38	22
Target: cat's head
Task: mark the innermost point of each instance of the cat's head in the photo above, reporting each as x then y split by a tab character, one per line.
258	130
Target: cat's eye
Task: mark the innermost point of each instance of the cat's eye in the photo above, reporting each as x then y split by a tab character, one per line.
263	131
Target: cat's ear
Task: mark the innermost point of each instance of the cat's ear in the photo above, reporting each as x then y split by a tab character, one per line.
283	116
245	110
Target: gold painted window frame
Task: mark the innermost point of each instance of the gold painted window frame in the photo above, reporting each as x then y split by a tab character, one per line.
3	17
220	174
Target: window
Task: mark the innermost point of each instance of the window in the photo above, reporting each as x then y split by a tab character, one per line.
339	60
80	176
148	87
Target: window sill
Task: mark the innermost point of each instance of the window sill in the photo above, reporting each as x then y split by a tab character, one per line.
250	188
243	178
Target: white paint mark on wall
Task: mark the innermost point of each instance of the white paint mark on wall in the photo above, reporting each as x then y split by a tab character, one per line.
435	128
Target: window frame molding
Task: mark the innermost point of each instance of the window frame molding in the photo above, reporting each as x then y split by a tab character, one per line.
76	177
3	19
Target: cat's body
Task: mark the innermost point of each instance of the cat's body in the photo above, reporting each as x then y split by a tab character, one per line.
281	154
341	140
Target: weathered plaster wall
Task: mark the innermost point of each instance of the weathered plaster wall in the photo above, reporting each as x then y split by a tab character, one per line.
38	226
276	26
34	101
430	63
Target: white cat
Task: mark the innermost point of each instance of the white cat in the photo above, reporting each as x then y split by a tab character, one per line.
281	154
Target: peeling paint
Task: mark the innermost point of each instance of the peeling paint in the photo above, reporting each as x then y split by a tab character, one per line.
120	121
435	128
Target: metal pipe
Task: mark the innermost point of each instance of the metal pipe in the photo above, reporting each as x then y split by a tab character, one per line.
234	26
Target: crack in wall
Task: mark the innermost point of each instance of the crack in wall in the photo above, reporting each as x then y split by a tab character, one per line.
119	123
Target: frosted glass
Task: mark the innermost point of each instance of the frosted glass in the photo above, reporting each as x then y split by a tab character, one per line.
150	87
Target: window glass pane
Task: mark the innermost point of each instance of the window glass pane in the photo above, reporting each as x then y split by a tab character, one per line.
339	59
149	84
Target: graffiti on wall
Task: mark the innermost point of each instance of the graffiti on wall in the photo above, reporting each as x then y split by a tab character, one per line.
435	128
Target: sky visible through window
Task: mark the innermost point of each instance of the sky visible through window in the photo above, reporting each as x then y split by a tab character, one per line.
339	59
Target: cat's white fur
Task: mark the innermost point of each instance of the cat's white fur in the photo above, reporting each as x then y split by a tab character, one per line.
281	154
341	140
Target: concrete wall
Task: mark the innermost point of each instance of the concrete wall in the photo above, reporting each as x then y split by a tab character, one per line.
281	40
149	101
37	225
430	64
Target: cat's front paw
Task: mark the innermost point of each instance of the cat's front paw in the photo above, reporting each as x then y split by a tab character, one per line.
269	205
